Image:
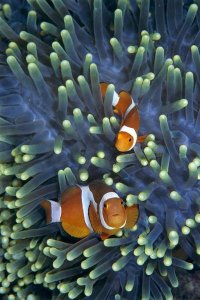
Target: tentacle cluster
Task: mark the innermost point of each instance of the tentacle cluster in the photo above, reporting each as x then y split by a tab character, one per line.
55	131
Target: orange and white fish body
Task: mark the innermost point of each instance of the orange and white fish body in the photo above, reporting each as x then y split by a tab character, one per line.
126	108
93	208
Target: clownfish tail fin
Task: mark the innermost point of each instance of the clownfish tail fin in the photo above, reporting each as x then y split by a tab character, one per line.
52	211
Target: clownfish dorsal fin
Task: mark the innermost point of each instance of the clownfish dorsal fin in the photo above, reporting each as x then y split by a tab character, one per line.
132	216
103	87
94	219
52	211
98	189
69	192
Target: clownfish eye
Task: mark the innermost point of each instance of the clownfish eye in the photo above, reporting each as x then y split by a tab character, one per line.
105	205
122	202
129	140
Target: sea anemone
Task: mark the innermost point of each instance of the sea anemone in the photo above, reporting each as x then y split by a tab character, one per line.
55	132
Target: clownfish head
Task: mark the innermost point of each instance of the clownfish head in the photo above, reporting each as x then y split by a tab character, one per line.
114	213
125	139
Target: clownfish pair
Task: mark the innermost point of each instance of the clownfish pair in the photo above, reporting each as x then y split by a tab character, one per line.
125	107
93	208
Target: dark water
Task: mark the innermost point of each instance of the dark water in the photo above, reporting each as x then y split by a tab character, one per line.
189	286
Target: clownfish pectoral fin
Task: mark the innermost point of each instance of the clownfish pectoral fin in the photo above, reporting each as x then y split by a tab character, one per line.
104	236
52	211
132	216
94	219
141	138
116	111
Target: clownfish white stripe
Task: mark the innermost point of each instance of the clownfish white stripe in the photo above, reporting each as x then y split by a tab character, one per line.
55	211
107	196
87	198
132	132
131	106
115	99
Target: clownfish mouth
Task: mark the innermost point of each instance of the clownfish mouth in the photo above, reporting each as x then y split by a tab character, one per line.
116	220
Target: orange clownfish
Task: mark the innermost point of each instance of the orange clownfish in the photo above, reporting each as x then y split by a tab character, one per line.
125	107
92	208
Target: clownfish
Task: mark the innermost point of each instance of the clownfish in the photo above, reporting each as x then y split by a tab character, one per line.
125	107
92	208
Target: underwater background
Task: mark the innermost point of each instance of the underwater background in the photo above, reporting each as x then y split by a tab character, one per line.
55	131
